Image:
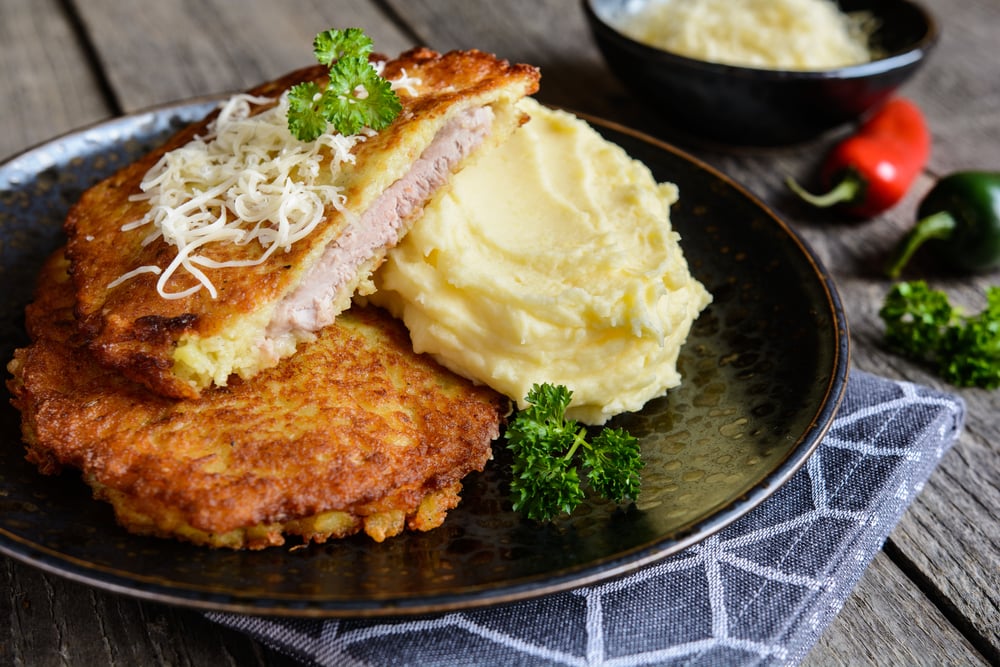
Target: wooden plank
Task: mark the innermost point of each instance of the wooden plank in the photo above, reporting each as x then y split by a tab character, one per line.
960	88
46	73
964	574
888	621
227	46
54	622
552	35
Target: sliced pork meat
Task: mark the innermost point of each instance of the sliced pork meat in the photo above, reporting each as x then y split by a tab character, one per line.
314	304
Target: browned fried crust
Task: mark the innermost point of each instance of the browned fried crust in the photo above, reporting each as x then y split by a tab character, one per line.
355	423
132	329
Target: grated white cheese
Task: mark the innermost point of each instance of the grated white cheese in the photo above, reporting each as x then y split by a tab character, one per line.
767	34
404	82
248	181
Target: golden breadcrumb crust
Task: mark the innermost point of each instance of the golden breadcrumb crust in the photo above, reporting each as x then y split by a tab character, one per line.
132	329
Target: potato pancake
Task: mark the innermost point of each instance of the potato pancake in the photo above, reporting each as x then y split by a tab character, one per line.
355	432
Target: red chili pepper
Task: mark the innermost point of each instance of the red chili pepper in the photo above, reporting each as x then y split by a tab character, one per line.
870	171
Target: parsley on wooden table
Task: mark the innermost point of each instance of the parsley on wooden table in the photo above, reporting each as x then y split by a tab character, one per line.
963	349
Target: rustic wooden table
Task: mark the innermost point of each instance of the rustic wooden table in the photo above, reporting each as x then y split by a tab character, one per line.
930	597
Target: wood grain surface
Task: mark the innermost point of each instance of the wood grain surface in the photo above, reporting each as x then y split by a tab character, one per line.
930	598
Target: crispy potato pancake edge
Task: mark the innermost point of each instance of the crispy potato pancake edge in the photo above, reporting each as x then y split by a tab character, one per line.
355	433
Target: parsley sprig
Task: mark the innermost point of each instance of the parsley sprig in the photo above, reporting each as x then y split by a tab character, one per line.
963	349
546	447
355	97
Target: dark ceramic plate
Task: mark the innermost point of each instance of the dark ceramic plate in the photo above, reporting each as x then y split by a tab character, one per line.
765	368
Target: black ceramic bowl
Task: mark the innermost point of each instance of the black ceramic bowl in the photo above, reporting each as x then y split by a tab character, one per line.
749	106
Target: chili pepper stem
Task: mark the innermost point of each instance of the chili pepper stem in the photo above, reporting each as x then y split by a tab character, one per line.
847	191
936	226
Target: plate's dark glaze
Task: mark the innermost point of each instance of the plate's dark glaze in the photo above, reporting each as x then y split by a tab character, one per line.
765	368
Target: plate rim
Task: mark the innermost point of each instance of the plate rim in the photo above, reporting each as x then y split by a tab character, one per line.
155	590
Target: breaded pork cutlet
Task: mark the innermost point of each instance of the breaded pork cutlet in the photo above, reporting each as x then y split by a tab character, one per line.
223	321
355	432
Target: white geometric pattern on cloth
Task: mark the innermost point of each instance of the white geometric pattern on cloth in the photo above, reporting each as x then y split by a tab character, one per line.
759	592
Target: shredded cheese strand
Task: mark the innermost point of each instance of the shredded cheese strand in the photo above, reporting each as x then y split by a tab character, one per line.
248	181
404	82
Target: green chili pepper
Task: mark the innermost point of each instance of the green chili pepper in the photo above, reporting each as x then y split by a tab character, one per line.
959	221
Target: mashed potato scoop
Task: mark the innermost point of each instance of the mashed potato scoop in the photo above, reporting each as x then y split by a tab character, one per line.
552	259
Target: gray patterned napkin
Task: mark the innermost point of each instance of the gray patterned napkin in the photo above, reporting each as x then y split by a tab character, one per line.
759	592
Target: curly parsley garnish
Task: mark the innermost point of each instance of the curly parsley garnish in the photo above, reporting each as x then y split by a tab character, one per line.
546	445
356	96
922	324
